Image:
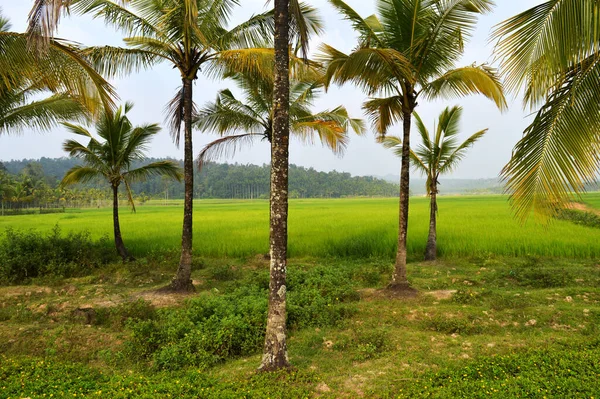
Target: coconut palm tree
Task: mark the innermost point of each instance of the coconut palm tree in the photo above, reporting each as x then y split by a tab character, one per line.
436	155
242	121
551	52
275	355
111	159
192	36
408	52
25	77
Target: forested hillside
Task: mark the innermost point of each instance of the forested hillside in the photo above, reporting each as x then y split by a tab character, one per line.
221	181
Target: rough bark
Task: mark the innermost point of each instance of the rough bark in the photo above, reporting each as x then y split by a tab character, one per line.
399	280
275	355
431	249
121	250
182	281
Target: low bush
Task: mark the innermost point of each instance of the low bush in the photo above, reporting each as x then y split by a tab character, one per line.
25	255
215	327
118	316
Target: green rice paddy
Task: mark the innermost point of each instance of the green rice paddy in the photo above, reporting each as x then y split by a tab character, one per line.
360	228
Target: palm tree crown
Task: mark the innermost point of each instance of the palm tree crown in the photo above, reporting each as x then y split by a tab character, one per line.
112	157
438	153
253	115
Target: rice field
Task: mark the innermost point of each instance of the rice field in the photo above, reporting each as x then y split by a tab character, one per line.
359	228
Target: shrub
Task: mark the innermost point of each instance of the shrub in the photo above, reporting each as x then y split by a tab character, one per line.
28	254
118	316
215	327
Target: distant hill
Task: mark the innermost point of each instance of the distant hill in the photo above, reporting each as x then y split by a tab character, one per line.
226	181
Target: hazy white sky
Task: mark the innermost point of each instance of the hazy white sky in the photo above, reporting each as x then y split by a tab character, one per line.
151	90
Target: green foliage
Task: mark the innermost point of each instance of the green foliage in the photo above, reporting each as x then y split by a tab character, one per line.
371	343
212	328
129	312
537	275
36	378
25	255
559	373
450	324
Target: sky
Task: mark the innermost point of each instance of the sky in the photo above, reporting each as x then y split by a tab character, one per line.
151	90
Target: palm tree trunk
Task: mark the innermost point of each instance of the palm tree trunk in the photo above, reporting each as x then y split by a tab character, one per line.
399	280
182	281
431	249
275	350
122	251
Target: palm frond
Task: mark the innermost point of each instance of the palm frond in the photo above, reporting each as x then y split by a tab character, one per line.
547	39
118	62
460	82
560	150
227	115
42	114
384	112
372	69
174	111
225	147
369	28
80	174
161	168
451	161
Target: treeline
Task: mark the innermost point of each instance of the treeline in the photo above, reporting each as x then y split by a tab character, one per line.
217	181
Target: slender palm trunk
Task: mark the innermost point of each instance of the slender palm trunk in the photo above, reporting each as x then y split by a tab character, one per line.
182	280
431	249
399	280
117	227
275	351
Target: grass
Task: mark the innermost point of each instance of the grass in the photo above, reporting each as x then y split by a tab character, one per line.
508	311
356	228
486	327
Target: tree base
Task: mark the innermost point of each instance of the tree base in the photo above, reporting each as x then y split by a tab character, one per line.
272	368
179	287
401	290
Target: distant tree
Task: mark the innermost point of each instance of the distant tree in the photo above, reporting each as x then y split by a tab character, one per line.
111	159
550	52
406	53
436	155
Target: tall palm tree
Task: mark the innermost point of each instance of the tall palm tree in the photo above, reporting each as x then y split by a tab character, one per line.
275	354
192	36
551	52
405	53
77	90
241	121
112	158
436	155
